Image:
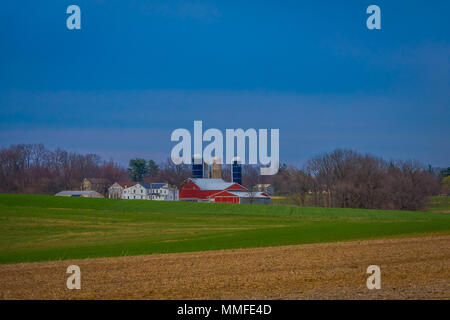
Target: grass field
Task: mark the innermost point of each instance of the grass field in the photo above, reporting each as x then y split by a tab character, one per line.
43	228
439	204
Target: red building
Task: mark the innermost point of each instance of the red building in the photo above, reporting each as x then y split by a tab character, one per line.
218	190
201	189
230	196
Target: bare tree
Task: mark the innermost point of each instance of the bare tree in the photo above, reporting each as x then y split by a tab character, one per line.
34	169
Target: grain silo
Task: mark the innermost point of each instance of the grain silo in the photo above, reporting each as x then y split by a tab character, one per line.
216	168
236	170
197	166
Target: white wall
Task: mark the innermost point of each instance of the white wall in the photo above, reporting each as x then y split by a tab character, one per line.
138	192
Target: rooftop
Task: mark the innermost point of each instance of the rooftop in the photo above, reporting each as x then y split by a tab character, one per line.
212	184
156	185
245	194
76	193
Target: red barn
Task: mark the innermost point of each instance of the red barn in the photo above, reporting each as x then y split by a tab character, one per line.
230	196
218	190
200	189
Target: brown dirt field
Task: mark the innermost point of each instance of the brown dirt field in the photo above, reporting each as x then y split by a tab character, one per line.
411	268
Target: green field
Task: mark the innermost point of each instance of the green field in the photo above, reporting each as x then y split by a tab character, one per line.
439	204
40	228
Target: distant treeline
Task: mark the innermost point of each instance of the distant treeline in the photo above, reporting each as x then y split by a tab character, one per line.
342	178
31	168
345	178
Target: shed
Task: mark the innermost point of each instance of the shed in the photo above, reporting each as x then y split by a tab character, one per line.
81	194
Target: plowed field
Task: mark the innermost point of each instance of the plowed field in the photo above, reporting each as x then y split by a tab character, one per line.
411	268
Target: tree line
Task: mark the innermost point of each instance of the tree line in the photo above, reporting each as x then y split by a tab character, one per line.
346	178
342	178
31	168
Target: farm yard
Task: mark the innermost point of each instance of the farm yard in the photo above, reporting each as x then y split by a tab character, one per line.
150	249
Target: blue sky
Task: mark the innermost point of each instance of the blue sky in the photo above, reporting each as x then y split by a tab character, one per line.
137	70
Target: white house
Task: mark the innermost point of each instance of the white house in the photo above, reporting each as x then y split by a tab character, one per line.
116	190
150	191
162	191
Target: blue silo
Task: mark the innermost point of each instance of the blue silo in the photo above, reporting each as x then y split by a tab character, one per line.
236	172
197	167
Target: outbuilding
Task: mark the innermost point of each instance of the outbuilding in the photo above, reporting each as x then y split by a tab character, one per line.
248	197
81	194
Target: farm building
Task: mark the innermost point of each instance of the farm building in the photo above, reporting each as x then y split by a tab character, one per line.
204	189
116	190
250	197
82	194
94	184
150	191
199	189
266	188
218	190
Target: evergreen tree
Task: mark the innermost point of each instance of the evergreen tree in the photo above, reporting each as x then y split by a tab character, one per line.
138	169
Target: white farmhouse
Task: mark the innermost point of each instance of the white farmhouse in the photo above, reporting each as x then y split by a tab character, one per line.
150	191
138	191
162	191
116	190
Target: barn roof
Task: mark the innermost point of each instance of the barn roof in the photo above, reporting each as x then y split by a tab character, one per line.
126	183
77	193
246	194
158	185
212	184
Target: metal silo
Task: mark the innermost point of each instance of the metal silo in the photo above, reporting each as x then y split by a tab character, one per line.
216	168
197	166
236	171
